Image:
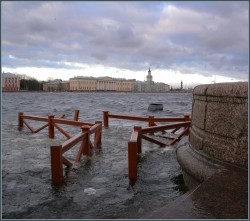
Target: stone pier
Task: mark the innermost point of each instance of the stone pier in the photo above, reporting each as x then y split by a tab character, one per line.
214	158
219	131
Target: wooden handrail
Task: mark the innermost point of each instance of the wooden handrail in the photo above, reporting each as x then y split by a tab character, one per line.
174	130
164	127
30	117
68	144
30	128
180	136
51	123
169	119
41	128
150	119
71	122
62	131
134	145
66	162
153	141
94	128
57	120
125	117
57	158
146	119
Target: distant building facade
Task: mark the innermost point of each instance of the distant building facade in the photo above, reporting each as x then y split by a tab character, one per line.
10	82
56	85
81	83
150	85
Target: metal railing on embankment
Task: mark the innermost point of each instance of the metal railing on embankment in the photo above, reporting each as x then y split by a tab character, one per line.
57	158
135	143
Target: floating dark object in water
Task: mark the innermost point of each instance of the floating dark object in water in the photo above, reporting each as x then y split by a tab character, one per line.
155	107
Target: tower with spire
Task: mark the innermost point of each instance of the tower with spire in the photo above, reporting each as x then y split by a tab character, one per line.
148	85
149	76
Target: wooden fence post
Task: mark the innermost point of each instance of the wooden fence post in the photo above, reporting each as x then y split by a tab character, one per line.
138	129
20	120
86	148
151	122
132	162
56	164
98	136
76	116
51	126
106	119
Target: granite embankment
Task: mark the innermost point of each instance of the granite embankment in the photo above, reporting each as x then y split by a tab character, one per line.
214	159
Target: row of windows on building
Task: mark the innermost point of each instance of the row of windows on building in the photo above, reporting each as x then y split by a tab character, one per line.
105	84
93	84
10	82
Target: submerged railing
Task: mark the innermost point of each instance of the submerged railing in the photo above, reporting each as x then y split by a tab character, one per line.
139	133
87	129
135	143
56	152
86	147
151	120
52	123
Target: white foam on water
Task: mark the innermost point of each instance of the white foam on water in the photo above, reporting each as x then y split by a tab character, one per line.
90	191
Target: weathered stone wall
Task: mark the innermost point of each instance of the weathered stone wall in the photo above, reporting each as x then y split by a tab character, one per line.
216	152
219	125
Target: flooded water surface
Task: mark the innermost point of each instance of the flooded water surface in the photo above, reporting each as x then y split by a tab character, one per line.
98	186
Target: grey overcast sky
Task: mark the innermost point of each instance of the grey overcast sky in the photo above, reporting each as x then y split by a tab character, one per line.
196	42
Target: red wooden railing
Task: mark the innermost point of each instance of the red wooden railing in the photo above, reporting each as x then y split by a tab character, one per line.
135	143
52	123
86	147
134	147
57	158
150	119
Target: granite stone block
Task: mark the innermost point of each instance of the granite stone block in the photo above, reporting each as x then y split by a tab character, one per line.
232	100
236	89
226	119
195	138
201	89
225	149
199	97
219	128
216	154
199	111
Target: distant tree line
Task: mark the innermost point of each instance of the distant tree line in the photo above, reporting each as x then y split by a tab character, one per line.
31	85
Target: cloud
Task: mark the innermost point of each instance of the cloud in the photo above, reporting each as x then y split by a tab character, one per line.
191	37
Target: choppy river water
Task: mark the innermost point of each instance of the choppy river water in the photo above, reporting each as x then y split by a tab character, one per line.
98	188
